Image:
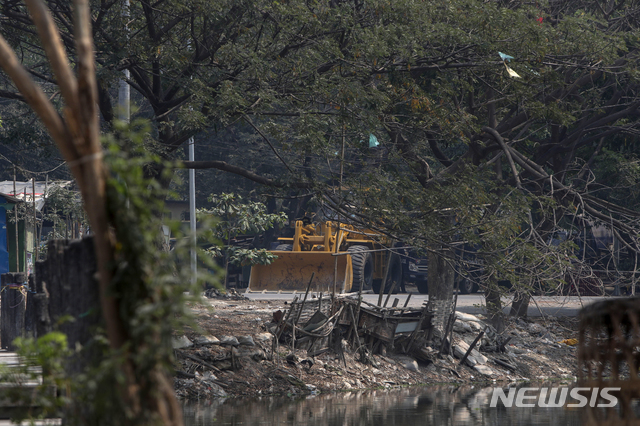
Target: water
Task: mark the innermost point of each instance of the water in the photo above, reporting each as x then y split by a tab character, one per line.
432	405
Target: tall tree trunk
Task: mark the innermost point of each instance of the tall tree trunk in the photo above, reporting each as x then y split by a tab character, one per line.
77	135
494	305
441	279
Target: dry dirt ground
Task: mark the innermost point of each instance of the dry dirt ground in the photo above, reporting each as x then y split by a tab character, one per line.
211	363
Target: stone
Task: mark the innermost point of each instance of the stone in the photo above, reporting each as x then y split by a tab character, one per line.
483	369
481	359
411	365
246	340
229	340
474	356
460	348
181	342
250	352
467	317
263	337
462	327
206	340
476	327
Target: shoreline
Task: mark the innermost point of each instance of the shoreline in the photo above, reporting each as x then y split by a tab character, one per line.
231	356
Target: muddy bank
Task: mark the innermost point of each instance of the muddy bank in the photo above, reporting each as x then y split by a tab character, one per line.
233	354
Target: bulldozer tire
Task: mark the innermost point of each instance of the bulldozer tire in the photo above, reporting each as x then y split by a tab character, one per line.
362	263
395	274
284	247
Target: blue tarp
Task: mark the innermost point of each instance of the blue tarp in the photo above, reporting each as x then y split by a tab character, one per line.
4	252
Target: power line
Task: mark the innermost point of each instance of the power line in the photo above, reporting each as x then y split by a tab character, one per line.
27	171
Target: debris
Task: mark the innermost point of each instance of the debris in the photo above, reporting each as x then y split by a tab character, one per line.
473	358
181	342
536	329
246	340
505	363
229	340
206	340
477	357
341	340
263	337
230	294
570	342
292	359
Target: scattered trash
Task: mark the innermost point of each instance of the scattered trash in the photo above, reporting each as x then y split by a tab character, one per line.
322	344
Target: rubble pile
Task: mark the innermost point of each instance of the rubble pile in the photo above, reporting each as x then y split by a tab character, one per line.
249	347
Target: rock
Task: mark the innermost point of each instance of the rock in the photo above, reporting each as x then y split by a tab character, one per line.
474	357
476	327
411	365
460	348
462	327
206	340
483	369
466	317
480	359
181	342
248	351
263	337
407	362
246	340
515	350
471	361
229	340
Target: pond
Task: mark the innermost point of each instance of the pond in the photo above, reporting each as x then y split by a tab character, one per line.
429	405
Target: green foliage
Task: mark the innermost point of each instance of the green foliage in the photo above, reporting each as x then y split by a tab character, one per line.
153	289
40	373
233	218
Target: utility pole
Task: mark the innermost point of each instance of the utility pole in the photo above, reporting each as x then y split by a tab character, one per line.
192	211
124	90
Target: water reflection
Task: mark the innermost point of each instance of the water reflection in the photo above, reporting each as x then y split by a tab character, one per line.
433	405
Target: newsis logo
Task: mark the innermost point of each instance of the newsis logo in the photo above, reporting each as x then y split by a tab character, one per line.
557	397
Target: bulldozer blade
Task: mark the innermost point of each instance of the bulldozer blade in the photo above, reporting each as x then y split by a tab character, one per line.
291	271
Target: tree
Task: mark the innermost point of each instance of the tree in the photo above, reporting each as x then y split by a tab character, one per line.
234	218
145	389
493	118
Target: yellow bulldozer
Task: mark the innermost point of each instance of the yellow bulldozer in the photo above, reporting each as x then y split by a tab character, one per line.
338	256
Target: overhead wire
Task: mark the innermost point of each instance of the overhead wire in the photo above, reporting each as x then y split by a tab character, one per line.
30	172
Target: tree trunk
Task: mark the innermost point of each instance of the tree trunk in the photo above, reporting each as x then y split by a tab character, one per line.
494	305
520	304
441	278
